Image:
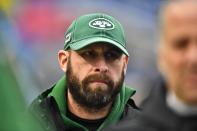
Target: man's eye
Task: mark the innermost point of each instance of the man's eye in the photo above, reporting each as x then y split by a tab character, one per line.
181	43
112	55
88	54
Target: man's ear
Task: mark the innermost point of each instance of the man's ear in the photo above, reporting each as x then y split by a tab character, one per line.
161	56
126	60
63	57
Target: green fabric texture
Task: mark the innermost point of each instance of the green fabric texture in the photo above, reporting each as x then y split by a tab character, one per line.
59	91
92	28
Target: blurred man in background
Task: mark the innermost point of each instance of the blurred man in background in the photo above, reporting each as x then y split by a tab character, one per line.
91	95
172	106
175	102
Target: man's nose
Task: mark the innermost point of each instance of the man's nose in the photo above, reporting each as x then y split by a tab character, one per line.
101	65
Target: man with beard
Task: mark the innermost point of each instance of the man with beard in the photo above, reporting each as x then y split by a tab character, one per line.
92	93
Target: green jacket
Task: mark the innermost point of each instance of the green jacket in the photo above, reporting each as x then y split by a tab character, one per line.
50	107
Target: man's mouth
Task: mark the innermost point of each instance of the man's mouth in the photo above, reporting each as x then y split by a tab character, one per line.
100	81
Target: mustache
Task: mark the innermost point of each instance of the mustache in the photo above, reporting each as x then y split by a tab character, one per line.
100	77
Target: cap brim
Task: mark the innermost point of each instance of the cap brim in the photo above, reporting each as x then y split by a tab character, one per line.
83	43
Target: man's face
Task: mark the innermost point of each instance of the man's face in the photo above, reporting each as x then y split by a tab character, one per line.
178	52
95	74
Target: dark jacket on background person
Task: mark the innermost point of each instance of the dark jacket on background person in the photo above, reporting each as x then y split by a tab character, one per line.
48	108
156	116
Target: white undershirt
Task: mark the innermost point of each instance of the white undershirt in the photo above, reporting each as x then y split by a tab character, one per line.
178	106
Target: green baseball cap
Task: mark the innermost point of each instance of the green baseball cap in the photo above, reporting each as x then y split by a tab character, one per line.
93	28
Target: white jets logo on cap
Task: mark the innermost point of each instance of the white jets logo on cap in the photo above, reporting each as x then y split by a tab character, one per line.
101	23
67	38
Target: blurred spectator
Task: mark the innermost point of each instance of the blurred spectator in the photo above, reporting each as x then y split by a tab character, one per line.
172	105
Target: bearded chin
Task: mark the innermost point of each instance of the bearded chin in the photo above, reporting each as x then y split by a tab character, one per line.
85	96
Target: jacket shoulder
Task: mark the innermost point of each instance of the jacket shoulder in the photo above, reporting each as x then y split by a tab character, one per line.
44	109
131	110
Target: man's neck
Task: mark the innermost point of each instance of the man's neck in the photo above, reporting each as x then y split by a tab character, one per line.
84	112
